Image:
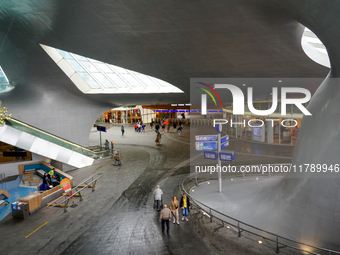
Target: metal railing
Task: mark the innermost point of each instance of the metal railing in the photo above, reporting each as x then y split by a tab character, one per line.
19	125
88	183
2	178
280	242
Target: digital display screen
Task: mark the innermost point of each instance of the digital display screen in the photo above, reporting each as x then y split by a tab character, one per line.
257	131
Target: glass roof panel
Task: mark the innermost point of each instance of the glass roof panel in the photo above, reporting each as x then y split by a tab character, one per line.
103	81
131	80
89	66
89	80
75	65
103	67
117	80
100	75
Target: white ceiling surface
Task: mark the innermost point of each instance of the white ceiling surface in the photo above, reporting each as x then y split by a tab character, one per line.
42	147
95	77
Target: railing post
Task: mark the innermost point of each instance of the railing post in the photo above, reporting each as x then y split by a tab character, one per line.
94	184
66	203
239	230
211	218
277	250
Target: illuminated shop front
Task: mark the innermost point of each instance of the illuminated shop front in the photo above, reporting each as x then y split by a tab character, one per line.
124	115
271	129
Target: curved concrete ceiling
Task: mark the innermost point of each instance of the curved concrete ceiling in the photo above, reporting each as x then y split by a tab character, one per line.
170	40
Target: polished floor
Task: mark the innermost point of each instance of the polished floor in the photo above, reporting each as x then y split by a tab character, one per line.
118	218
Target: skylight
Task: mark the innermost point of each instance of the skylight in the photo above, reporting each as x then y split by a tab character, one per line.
4	83
314	48
94	77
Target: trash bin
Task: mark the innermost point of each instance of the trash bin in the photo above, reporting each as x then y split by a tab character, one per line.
20	210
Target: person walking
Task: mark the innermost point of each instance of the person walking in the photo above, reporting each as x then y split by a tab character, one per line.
158	138
158	196
185	206
179	130
122	129
157	128
107	145
174	205
165	217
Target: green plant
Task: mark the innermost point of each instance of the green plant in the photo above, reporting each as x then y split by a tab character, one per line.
3	115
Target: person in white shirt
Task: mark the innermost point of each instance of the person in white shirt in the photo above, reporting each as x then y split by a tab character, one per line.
158	196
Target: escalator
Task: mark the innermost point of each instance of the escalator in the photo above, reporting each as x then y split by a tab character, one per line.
32	139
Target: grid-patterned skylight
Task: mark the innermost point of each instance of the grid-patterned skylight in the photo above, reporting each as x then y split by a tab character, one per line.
4	83
93	76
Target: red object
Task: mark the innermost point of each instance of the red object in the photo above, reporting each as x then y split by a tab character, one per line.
166	122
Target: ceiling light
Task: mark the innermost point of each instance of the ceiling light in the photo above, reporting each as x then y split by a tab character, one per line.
260	242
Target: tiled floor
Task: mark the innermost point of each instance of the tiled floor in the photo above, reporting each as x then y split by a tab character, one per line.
118	217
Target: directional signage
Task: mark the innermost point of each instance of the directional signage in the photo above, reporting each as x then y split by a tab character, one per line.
206	137
210	155
100	128
227	156
206	146
224	138
218	128
224	145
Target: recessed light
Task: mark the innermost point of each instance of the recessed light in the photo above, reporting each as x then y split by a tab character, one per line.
232	179
193	190
228	227
257	178
280	80
260	242
244	84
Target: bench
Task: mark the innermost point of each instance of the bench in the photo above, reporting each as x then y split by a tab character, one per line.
30	173
36	181
26	179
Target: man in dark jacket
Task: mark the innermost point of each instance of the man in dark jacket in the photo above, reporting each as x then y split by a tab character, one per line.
185	206
165	218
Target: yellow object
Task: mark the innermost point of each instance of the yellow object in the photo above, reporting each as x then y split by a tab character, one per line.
185	202
57	205
36	229
75	195
51	173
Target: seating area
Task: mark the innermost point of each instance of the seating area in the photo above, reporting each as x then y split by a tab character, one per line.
4	195
32	175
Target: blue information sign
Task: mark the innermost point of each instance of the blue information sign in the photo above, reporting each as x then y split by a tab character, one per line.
210	155
224	139
206	146
218	128
206	137
224	145
103	129
227	156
